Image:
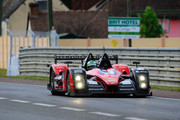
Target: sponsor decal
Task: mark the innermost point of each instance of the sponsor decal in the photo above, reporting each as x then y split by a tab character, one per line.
126	89
92	82
110	72
78	71
126	82
95	89
112	82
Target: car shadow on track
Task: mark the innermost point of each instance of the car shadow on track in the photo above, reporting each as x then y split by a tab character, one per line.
105	96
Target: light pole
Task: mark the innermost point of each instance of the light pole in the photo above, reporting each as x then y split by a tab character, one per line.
129	15
1	6
50	19
50	15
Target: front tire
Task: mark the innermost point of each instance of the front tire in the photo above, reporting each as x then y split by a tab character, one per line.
69	93
54	92
68	86
51	82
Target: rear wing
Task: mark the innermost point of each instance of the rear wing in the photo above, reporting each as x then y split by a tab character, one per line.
58	57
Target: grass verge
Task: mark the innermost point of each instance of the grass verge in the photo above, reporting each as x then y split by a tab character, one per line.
165	88
4	71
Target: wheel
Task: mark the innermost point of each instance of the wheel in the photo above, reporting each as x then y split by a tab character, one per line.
51	82
54	92
68	86
69	93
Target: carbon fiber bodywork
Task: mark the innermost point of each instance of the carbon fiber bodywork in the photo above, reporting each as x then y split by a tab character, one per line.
105	79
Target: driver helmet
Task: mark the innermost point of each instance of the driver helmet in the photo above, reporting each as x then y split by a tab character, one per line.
91	64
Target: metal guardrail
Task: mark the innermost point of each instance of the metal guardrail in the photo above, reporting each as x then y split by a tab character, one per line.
163	63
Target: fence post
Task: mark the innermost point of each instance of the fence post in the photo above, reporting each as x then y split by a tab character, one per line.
11	46
11	43
57	38
34	37
54	38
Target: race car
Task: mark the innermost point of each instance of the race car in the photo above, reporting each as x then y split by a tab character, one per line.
97	78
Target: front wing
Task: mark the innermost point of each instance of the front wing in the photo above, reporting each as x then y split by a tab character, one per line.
125	87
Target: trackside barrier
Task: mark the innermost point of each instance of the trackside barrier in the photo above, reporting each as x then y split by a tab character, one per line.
163	63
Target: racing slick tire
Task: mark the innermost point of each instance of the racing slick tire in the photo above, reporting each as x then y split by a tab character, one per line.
68	93
53	92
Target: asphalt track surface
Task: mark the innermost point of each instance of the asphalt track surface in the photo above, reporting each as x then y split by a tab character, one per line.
34	102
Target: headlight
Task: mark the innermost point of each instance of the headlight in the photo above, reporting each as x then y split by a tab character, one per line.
79	81
79	85
142	81
78	77
142	78
143	85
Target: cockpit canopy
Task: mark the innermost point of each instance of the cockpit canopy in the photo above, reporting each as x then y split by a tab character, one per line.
103	62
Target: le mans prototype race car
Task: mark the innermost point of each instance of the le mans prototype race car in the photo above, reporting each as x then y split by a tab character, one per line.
104	79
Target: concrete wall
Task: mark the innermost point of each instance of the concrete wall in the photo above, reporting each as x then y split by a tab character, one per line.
44	42
163	63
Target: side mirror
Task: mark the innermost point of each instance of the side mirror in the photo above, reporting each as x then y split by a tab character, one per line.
136	63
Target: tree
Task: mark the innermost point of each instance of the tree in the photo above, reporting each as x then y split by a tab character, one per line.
150	26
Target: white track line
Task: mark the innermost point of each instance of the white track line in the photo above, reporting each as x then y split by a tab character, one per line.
72	109
20	101
134	118
45	105
105	114
2	98
45	86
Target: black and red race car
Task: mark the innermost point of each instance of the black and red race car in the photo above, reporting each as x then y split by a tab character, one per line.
104	79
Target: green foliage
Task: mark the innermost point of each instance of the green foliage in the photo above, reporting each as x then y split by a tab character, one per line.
30	78
165	88
150	26
4	71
